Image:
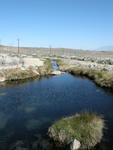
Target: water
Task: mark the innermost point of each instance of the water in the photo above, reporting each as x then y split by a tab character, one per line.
54	64
27	110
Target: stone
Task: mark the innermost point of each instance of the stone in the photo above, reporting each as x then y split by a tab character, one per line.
2	79
56	72
19	145
75	145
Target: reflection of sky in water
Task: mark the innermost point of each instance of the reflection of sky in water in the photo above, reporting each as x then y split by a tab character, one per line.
32	107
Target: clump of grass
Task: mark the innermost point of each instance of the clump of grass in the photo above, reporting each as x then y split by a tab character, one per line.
86	127
100	77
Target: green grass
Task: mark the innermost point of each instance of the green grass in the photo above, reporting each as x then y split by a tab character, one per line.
85	127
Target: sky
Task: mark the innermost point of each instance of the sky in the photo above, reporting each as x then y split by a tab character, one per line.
77	24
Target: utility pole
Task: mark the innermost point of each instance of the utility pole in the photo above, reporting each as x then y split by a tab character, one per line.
0	43
0	46
50	49
18	45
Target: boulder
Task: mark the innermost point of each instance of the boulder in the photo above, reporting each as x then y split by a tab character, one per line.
2	79
56	72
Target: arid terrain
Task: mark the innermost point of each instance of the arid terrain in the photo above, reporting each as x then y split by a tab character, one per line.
73	57
80	54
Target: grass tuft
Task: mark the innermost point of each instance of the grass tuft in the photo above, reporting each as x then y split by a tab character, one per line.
86	127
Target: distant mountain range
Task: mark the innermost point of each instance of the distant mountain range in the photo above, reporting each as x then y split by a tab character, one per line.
106	48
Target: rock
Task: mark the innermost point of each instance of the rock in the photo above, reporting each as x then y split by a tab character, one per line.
2	79
19	145
36	72
42	143
75	145
56	72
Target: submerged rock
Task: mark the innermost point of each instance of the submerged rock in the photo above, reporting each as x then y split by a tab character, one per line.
42	143
82	130
19	145
30	109
33	124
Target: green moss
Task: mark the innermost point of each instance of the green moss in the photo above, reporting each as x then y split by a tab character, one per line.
85	127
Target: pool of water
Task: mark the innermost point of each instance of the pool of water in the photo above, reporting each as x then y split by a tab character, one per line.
27	110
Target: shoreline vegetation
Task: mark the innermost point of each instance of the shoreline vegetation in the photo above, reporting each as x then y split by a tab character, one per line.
102	78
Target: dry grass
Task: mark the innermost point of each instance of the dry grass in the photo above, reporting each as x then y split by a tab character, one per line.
18	74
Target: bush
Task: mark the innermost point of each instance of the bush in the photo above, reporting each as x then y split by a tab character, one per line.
85	127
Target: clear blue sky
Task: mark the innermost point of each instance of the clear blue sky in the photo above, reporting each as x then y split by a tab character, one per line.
86	24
